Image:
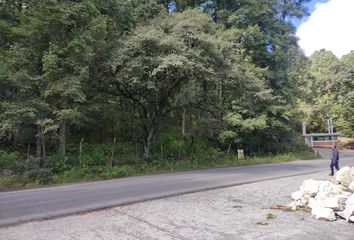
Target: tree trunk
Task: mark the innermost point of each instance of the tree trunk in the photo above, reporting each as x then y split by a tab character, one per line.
38	146
179	150
28	152
80	148
28	155
112	156
136	152
236	151
184	122
41	163
147	143
161	150
229	150
259	149
62	139
62	130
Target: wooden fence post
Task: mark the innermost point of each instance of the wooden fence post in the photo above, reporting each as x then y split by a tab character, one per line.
80	153
114	143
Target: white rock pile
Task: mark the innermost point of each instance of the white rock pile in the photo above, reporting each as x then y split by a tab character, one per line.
328	199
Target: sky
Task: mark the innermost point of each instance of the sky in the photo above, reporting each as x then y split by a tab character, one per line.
330	26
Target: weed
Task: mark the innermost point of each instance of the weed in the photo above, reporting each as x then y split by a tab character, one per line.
262	223
282	208
270	216
305	209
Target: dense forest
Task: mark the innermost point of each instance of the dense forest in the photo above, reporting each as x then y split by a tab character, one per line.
91	85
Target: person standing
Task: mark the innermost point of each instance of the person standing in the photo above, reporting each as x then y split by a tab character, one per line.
334	159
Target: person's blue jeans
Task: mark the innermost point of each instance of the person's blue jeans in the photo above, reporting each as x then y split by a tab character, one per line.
334	164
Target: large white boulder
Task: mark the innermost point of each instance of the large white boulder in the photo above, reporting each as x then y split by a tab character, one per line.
348	213
344	176
327	189
349	208
336	203
296	195
309	188
323	213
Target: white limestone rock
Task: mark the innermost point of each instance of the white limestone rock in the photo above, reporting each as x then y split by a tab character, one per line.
296	195
323	213
294	205
344	176
336	203
350	200
328	198
351	186
327	188
309	188
352	171
348	212
305	199
340	214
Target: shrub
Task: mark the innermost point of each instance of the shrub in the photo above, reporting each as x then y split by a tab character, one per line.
13	181
57	163
40	175
9	160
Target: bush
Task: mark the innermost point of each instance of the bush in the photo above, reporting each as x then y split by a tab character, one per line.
95	154
39	175
121	171
57	163
9	160
13	181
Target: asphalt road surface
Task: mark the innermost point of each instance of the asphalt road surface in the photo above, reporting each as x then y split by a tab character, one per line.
50	202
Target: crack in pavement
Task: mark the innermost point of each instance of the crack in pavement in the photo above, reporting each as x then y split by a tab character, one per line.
152	225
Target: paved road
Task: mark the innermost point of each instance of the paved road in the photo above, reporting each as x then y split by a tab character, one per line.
34	204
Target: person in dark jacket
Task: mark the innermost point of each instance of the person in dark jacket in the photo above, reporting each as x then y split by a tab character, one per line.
334	159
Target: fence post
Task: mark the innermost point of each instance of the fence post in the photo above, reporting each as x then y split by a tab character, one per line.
28	155
80	153
114	143
161	150
179	150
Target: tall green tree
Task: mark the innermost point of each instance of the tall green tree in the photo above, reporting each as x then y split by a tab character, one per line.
160	59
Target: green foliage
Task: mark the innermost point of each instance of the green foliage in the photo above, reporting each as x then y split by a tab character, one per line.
9	159
94	173
329	92
12	181
96	154
39	175
57	163
176	91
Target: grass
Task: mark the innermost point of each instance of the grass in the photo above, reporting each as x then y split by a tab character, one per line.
305	209
262	223
282	208
270	216
92	173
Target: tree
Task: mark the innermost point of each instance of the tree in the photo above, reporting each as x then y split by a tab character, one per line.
153	64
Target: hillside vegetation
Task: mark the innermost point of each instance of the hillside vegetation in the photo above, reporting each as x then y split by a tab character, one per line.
93	89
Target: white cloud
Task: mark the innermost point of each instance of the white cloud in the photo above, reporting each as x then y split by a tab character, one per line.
330	26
